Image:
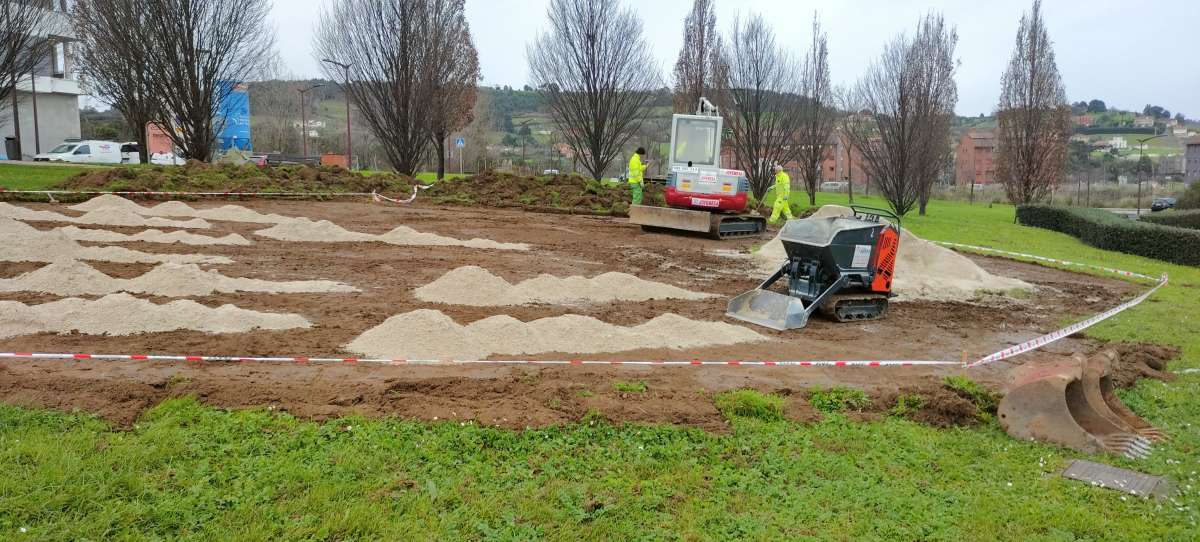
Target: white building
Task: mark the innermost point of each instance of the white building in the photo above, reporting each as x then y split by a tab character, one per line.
48	102
1118	143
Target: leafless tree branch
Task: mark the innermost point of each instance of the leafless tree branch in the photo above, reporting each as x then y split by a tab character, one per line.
698	62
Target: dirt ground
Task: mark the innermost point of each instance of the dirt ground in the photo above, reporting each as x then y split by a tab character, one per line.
521	396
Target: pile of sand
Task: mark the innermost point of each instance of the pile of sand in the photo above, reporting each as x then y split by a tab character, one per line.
179	209
167	280
324	231
24	243
101	216
478	287
924	270
123	314
431	335
151	236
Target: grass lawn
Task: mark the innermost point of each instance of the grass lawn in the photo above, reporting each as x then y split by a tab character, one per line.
189	471
27	177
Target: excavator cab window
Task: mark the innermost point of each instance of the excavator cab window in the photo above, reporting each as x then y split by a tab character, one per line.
695	141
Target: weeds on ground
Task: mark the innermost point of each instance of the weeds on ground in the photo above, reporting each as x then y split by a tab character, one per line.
630	387
838	399
970	390
907	404
747	403
584	393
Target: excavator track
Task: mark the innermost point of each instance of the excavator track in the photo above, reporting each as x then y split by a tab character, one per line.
735	226
855	307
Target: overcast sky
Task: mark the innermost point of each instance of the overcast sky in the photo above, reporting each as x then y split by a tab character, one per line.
1128	53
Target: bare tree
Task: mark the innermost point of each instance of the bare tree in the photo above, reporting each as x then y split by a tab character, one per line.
699	59
390	46
908	98
817	113
276	107
454	65
1034	116
759	94
111	55
200	52
597	75
24	45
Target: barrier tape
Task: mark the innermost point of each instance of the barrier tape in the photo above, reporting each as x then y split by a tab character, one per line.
1022	348
380	198
385	361
195	194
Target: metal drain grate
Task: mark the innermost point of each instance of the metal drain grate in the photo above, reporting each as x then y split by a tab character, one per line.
1134	483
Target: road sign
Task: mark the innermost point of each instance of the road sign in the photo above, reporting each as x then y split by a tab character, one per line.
460	143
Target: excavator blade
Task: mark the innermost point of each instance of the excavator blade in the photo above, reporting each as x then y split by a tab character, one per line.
1071	404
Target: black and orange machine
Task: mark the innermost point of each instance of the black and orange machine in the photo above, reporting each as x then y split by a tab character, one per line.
842	266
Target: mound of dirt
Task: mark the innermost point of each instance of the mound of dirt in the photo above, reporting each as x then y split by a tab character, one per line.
201	177
1136	361
178	209
167	280
475	286
24	243
432	335
152	236
136	316
924	270
554	193
324	231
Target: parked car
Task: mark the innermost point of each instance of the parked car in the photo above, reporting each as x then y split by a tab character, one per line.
1162	204
166	159
83	152
834	186
550	172
131	153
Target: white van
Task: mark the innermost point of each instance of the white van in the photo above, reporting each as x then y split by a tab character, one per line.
83	152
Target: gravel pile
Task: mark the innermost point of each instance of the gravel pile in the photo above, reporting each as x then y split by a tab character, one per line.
478	287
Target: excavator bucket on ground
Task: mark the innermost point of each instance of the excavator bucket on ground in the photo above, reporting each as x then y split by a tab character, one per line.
1072	404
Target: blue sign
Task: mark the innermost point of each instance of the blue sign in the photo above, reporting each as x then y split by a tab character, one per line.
460	143
233	117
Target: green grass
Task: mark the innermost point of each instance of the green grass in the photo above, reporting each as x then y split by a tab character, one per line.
192	472
747	403
27	177
838	399
622	386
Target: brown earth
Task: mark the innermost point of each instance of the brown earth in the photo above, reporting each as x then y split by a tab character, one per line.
520	396
567	194
200	177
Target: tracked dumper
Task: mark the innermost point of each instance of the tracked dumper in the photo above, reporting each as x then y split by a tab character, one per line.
701	195
841	266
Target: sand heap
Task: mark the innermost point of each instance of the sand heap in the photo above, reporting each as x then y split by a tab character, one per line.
924	270
324	231
24	243
123	314
102	216
179	209
167	280
478	287
431	335
152	236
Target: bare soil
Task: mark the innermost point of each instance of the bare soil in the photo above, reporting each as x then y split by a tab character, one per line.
524	396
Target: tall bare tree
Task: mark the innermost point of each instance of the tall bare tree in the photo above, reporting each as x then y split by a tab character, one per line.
699	59
759	94
200	52
818	113
907	98
454	65
111	58
24	45
596	73
1034	116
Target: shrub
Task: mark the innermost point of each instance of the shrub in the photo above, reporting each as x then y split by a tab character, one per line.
1108	231
750	404
838	399
907	404
1179	219
630	387
1190	199
970	390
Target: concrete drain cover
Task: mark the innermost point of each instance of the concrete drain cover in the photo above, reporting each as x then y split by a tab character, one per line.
1134	483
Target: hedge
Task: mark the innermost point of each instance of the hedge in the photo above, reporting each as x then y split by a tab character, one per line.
1179	219
1108	231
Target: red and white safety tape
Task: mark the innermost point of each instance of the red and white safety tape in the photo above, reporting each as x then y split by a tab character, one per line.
386	361
380	198
158	194
1007	353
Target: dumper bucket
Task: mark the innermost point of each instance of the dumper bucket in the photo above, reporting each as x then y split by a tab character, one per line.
769	309
1066	404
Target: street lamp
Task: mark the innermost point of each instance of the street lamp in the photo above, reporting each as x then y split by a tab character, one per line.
1142	154
346	90
304	117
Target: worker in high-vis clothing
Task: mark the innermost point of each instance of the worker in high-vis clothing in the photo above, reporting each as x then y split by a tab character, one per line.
783	195
637	175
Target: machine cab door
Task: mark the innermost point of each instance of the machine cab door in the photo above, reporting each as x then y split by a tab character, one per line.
695	142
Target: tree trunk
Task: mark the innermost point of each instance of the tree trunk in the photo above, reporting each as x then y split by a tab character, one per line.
142	135
440	145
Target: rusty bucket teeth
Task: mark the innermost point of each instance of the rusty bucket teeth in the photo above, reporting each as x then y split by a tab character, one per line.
1073	404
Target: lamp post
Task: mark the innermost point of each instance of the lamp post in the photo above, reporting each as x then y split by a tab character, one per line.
304	118
346	89
1142	154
